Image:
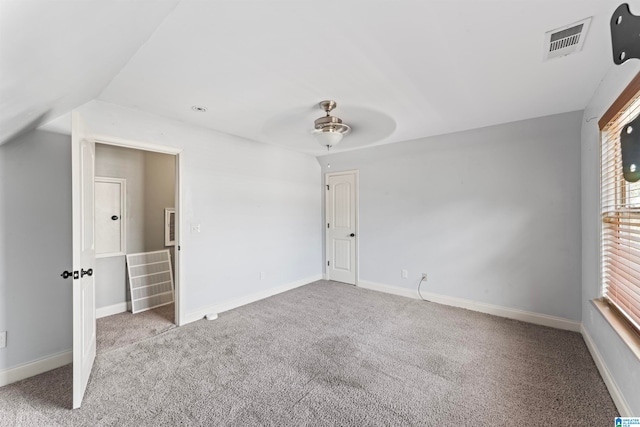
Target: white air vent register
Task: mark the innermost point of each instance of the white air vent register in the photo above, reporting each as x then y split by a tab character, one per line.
565	40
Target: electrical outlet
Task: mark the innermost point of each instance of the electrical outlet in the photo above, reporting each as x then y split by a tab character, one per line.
3	339
404	274
195	228
424	276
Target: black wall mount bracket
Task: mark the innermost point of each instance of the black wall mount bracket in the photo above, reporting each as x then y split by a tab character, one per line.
630	150
625	34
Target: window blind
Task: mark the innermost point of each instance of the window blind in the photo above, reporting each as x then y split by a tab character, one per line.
620	209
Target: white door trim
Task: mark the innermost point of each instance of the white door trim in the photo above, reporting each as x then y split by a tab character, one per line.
163	149
138	145
356	174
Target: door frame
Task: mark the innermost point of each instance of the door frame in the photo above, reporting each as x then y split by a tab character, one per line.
356	174
180	314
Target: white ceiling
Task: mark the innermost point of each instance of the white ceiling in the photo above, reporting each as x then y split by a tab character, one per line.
58	54
398	70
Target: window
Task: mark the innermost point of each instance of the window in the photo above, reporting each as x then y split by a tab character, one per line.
620	209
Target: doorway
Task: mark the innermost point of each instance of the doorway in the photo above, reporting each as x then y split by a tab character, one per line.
134	190
341	214
83	145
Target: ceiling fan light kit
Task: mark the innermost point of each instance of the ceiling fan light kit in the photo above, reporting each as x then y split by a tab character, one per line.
329	129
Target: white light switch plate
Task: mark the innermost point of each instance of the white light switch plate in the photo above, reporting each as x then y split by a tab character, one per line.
3	339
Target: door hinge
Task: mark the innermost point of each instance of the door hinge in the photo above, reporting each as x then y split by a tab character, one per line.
327	225
178	247
327	186
328	263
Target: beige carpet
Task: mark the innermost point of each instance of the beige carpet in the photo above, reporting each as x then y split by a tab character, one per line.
331	354
126	328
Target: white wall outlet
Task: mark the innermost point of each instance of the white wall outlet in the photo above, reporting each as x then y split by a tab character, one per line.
263	275
3	339
195	228
424	276
404	274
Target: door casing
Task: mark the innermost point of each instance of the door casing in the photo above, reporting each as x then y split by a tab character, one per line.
78	136
177	152
357	225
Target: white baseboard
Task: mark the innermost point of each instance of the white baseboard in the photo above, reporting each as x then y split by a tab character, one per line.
388	289
36	367
614	391
113	309
496	310
237	302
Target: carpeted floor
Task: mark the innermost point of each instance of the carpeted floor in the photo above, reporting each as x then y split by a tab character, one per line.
331	354
124	329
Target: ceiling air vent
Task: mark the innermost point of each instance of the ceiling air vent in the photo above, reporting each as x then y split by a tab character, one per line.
565	40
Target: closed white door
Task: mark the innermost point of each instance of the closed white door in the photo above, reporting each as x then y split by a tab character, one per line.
84	312
341	227
109	216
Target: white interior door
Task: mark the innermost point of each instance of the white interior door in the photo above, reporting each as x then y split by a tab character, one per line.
84	311
341	227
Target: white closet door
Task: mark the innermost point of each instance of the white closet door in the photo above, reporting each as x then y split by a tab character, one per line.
341	228
109	222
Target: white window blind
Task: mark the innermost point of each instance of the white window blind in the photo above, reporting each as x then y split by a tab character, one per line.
620	209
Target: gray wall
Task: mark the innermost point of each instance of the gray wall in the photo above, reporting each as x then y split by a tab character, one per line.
623	365
150	188
492	214
258	205
159	182
35	246
111	281
119	162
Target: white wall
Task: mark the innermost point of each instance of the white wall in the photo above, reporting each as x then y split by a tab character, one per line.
492	214
622	364
35	246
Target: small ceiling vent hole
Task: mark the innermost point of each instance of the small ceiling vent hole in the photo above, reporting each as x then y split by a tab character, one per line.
565	40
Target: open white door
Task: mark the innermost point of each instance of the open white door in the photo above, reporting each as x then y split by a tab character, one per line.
84	311
341	227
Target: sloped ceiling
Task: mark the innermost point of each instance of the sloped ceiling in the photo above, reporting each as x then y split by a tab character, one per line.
399	70
56	55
